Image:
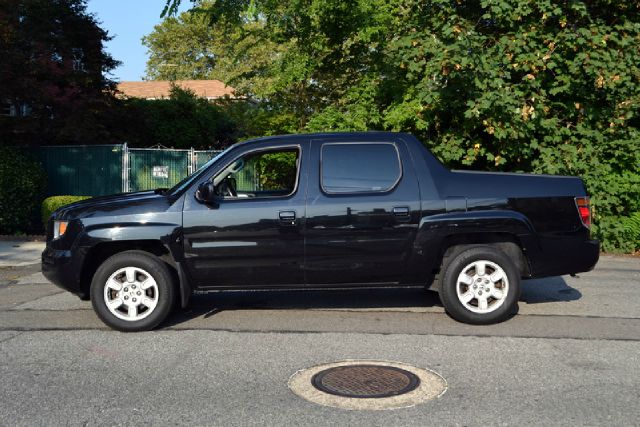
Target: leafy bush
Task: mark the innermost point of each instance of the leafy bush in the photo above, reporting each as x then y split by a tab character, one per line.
277	171
181	121
631	224
631	227
22	184
619	233
50	204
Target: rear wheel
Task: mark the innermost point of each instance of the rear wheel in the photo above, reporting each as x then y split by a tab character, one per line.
480	285
132	291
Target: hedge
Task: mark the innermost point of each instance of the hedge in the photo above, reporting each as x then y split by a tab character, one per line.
22	185
53	203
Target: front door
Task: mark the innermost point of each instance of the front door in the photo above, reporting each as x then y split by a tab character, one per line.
252	235
363	212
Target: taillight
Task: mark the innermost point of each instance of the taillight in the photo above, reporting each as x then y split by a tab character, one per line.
584	210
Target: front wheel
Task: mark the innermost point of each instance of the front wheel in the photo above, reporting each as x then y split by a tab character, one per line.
480	285
132	291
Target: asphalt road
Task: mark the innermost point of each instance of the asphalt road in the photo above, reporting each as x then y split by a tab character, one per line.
569	358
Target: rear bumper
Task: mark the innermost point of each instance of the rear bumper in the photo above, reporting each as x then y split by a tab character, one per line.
63	269
564	256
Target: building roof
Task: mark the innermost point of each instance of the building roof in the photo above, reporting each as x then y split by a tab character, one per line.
156	89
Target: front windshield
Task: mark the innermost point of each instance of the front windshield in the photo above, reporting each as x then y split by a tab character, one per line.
190	178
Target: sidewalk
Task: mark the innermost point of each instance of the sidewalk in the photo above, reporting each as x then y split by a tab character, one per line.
17	254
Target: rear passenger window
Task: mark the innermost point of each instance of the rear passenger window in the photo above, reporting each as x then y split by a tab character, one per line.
359	167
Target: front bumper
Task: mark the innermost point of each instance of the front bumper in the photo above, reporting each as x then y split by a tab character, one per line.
63	269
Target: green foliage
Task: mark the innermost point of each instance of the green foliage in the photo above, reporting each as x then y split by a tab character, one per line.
277	171
51	204
181	121
623	233
182	48
631	224
188	46
205	44
22	184
507	85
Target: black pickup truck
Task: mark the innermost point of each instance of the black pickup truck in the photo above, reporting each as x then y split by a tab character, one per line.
322	211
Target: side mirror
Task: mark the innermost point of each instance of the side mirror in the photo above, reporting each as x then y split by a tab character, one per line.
206	192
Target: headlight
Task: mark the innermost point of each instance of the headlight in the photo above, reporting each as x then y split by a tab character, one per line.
59	227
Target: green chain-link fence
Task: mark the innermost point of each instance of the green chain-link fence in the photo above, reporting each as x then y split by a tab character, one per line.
96	170
83	170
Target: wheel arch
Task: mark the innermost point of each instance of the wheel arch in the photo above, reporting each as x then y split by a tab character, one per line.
453	244
101	251
441	234
507	243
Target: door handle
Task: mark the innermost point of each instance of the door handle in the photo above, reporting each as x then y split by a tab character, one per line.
287	217
401	211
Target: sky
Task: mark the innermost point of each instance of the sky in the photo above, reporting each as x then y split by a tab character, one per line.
128	21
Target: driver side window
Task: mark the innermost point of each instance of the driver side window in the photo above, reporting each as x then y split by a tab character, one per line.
271	173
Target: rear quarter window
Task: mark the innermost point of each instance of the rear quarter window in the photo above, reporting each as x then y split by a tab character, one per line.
359	167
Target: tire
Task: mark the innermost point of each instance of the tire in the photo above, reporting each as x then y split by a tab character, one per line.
132	279
472	296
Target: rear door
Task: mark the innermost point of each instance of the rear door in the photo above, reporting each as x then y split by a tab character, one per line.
363	211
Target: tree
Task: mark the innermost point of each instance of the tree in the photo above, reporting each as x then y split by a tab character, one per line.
53	71
534	85
190	46
183	48
181	121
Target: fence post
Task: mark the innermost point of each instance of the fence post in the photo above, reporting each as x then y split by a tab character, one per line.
192	161
125	168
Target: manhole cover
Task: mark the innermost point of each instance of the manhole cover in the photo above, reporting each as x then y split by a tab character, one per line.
367	385
365	381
